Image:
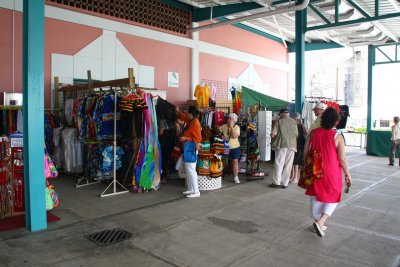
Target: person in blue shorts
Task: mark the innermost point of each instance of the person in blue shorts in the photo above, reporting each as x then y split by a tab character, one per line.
231	131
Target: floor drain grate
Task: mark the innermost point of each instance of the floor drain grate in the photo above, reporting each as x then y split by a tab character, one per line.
109	236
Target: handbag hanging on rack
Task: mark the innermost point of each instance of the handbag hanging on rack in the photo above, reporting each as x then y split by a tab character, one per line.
312	168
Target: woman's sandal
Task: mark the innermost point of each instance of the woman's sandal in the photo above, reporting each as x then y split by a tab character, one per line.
319	229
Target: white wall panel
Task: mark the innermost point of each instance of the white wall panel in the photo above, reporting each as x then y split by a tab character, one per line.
94	49
124	60
83	64
264	134
146	76
62	66
108	59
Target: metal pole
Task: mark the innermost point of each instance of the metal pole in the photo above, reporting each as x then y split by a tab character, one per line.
115	142
301	23
371	63
33	110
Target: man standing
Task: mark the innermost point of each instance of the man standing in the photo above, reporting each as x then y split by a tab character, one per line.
318	110
395	144
284	136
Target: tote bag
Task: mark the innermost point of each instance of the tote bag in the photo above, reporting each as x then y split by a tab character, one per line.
189	152
312	168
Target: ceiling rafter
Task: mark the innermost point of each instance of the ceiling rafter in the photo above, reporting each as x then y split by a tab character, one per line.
356	18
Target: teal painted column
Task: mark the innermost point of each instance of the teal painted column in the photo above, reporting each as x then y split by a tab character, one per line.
371	63
301	23
33	112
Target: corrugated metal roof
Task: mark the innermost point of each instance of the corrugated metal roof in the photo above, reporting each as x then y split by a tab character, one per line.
283	25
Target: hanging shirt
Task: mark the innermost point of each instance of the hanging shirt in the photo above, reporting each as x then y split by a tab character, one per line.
213	91
202	94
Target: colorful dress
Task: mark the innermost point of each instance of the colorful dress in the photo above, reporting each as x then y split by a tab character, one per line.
328	189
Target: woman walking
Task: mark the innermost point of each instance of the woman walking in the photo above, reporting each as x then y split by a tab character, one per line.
325	193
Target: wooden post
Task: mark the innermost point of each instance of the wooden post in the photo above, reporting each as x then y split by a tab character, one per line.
131	77
90	82
56	94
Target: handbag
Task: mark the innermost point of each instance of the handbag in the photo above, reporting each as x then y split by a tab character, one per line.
50	170
226	147
176	152
51	197
189	152
312	168
179	163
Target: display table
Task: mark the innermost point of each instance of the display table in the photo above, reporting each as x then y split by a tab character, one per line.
378	143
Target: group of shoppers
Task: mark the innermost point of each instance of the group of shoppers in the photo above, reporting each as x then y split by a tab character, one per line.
192	132
291	142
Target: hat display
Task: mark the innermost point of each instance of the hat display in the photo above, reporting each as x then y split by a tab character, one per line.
320	105
283	110
251	126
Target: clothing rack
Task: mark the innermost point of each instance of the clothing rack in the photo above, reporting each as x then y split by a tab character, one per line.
90	86
315	99
10	107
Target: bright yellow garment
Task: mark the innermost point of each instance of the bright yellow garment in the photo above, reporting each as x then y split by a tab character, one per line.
202	94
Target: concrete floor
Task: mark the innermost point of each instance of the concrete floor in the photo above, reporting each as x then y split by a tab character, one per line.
239	225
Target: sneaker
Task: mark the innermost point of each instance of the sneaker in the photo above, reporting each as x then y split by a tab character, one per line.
284	186
390	164
187	192
237	181
194	195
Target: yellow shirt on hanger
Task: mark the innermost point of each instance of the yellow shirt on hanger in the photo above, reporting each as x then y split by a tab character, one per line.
202	94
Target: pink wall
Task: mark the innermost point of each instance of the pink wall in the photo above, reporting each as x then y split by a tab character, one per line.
238	39
165	58
219	68
60	37
64	38
69	38
278	81
6	52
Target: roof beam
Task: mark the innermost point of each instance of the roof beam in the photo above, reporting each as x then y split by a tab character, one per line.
178	4
359	9
383	29
351	22
376	23
353	33
289	34
205	13
316	11
395	4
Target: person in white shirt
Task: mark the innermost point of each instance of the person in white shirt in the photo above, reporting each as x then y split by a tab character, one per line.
319	108
395	141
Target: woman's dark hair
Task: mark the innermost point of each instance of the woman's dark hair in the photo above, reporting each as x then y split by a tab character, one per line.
329	118
194	111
